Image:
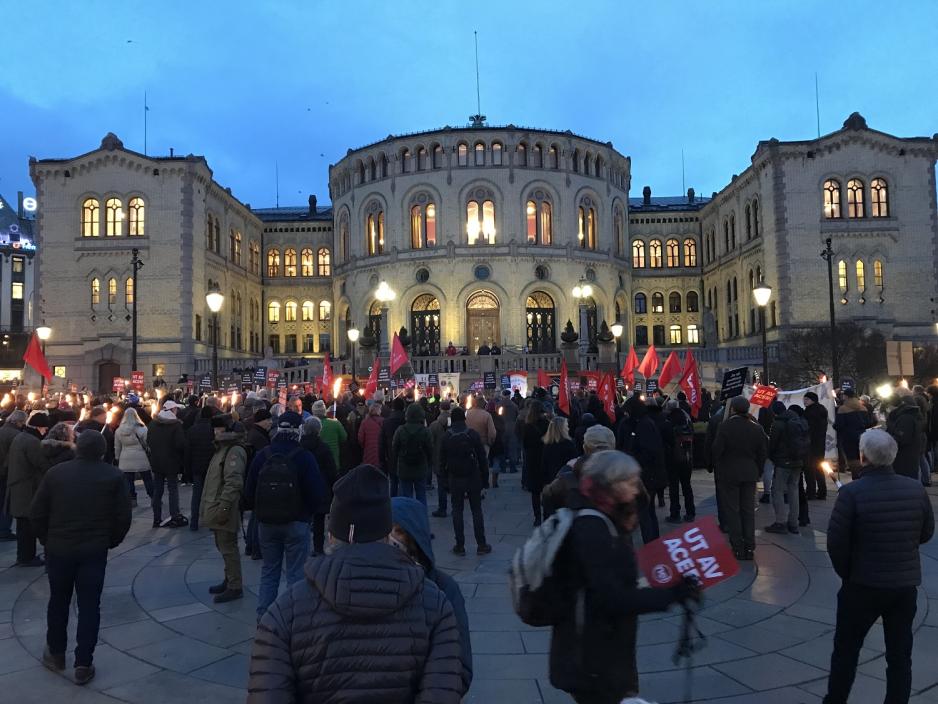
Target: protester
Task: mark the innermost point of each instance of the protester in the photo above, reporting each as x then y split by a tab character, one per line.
412	449
97	421
259	432
26	465
559	449
11	427
383	626
197	455
329	473
533	427
651	434
850	421
167	442
464	463
816	416
680	462
713	425
907	426
480	420
875	529
80	511
789	443
567	483
58	445
131	453
369	435
385	446
438	430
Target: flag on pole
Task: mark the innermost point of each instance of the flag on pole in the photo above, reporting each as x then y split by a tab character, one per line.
649	364
631	364
36	359
542	379
690	383
607	394
670	370
326	375
563	399
372	384
398	354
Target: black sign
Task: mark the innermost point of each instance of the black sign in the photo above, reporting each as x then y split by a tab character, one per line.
848	384
282	383
260	376
205	383
232	388
638	385
506	381
433	380
247	381
620	383
488	380
733	382
652	385
384	374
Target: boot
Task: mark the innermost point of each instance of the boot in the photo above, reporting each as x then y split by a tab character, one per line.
219	588
84	674
228	595
494	480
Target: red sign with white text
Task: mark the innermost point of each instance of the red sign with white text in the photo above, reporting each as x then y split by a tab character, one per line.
697	549
136	380
117	384
272	378
763	396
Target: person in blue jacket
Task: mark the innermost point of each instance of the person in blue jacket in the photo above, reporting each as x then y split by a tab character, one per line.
411	533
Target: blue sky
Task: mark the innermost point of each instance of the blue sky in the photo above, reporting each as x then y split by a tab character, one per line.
254	84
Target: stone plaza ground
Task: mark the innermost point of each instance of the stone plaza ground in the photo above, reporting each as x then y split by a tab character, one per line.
769	629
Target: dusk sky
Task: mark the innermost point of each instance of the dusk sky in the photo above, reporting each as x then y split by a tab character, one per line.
254	85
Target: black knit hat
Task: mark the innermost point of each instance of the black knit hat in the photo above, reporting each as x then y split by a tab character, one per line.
361	506
90	444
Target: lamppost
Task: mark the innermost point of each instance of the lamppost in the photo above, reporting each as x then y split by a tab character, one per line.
616	329
762	293
828	254
353	334
43	332
137	265
385	294
214	298
582	292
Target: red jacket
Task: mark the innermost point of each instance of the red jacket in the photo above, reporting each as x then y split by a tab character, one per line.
369	437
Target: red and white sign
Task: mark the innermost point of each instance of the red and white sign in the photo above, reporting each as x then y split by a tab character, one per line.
763	396
136	380
697	550
272	378
282	397
117	384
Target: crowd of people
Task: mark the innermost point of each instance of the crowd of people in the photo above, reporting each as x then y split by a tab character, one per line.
346	484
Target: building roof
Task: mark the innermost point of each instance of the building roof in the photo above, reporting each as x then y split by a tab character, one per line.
667	204
293	214
13	228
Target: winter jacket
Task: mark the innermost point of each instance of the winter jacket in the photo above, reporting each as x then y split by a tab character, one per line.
532	443
509	415
129	444
8	432
412	447
364	626
200	447
453	462
851	421
81	506
648	447
480	420
565	486
167	441
369	437
26	466
385	446
592	648
587	422
781	449
907	426
713	426
311	485
57	451
99	428
876	526
816	416
411	516
258	438
438	430
333	434
327	469
739	450
224	484
555	456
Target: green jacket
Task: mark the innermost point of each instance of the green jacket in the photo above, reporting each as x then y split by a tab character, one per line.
413	446
333	434
224	484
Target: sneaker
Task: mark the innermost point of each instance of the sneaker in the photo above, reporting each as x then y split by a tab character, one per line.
459	550
765	499
439	514
35	562
84	674
794	530
484	549
777	528
673	519
219	588
157	523
228	595
54	661
178	521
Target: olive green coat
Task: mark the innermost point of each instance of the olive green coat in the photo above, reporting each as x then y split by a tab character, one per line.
224	484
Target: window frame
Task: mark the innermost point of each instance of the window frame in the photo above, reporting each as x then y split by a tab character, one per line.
91	217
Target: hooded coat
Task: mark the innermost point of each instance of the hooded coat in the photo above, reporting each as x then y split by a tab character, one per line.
224	484
8	433
26	466
369	438
200	447
129	448
57	451
167	441
438	430
851	421
907	426
411	515
364	626
412	447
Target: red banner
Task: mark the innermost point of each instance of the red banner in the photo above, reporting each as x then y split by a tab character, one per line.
690	383
272	379
697	550
670	370
649	364
563	399
398	354
628	369
371	385
763	396
607	394
136	380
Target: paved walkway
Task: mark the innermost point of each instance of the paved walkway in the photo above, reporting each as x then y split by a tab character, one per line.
162	638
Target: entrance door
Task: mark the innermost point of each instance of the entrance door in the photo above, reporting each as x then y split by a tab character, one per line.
106	373
482	320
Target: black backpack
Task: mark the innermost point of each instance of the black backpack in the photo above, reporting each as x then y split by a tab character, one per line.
684	441
277	499
461	460
799	439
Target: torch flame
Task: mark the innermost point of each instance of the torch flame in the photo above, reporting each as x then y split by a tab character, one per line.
336	387
826	467
468	402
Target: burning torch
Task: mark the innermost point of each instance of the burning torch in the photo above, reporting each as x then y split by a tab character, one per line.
829	471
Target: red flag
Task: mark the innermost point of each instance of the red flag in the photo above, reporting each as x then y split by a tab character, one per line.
372	384
563	400
649	364
35	358
690	383
631	364
398	354
326	375
607	394
542	379
670	370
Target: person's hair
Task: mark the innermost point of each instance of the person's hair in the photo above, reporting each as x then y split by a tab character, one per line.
61	432
607	468
17	417
878	447
312	426
740	405
374	409
98	411
557	431
533	411
130	417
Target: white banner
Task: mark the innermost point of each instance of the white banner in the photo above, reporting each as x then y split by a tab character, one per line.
825	395
449	384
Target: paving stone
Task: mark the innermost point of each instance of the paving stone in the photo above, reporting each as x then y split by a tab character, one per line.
757	639
164	687
212	628
15	657
520	691
113	667
769	671
866	690
39	686
494	642
740	612
536	642
787	695
180	654
189	609
232	671
659	658
133	635
509	666
666	687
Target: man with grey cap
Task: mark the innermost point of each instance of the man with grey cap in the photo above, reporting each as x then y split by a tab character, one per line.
554	496
10	429
738	455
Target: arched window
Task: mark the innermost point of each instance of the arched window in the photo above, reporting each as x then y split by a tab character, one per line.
480	221
539	319
638	254
95	292
586	224
374	230
673	253
361	172
306	262
641	304
90	218
842	275
674	334
129	292
217	238
861	276
425	325
479	149
114	217
654	254
309	311
831	198
657	302
575	161
421	159
522	154
690	252
553	159
618	226
693	302
405	161
538	218
383	162
373	168
289	262
323	262
289	311
748	222
273	262
344	237
497	153
236	247
437	156
136	221
878	274
273	312
325	311
755	218
462	154
111	291
537	156
587	164
726	235
855	207
879	198
674	302
732	230
255	257
423	223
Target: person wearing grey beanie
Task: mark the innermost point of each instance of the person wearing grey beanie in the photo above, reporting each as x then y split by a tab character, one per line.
8	431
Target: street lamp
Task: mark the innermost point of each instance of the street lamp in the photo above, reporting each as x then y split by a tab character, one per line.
214	298
828	254
136	266
43	332
582	292
762	293
353	335
385	294
616	329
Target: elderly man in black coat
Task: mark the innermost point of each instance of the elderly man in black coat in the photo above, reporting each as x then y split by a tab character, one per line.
877	525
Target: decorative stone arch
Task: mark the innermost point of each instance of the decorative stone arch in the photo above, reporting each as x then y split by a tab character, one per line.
508	308
530	190
425	325
410	199
481	190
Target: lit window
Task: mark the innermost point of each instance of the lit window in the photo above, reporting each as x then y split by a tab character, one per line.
586	224
374	231
236	247
497	153
480	154
308	311
480	222
95	292
674	302
255	257
674	334
538	220
17	265
111	291
657	303
690	252
289	262
423	226
289	311
641	303
878	274
324	262
693	335
693	302
654	254
114	217
137	216
638	254
325	311
831	198
879	198
861	276
842	275
273	262
129	292
673	253
462	155
306	262
273	312
90	218
855	207
17	291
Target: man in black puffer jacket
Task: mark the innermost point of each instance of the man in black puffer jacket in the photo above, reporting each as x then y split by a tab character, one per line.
877	525
365	625
199	450
167	442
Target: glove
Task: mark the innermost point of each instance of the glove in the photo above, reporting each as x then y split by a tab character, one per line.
686	591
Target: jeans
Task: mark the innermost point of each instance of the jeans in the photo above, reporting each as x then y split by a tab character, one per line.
25	540
858	608
285	543
512	451
739	512
471	488
6	520
198	483
768	472
815	478
787	481
319	533
159	481
413	489
648	522
147	478
83	573
679	479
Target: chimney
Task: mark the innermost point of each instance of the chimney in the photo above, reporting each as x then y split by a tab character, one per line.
170	151
646	195
19	205
312	204
690	195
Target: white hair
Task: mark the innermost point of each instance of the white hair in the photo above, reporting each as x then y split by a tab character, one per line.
878	447
609	467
